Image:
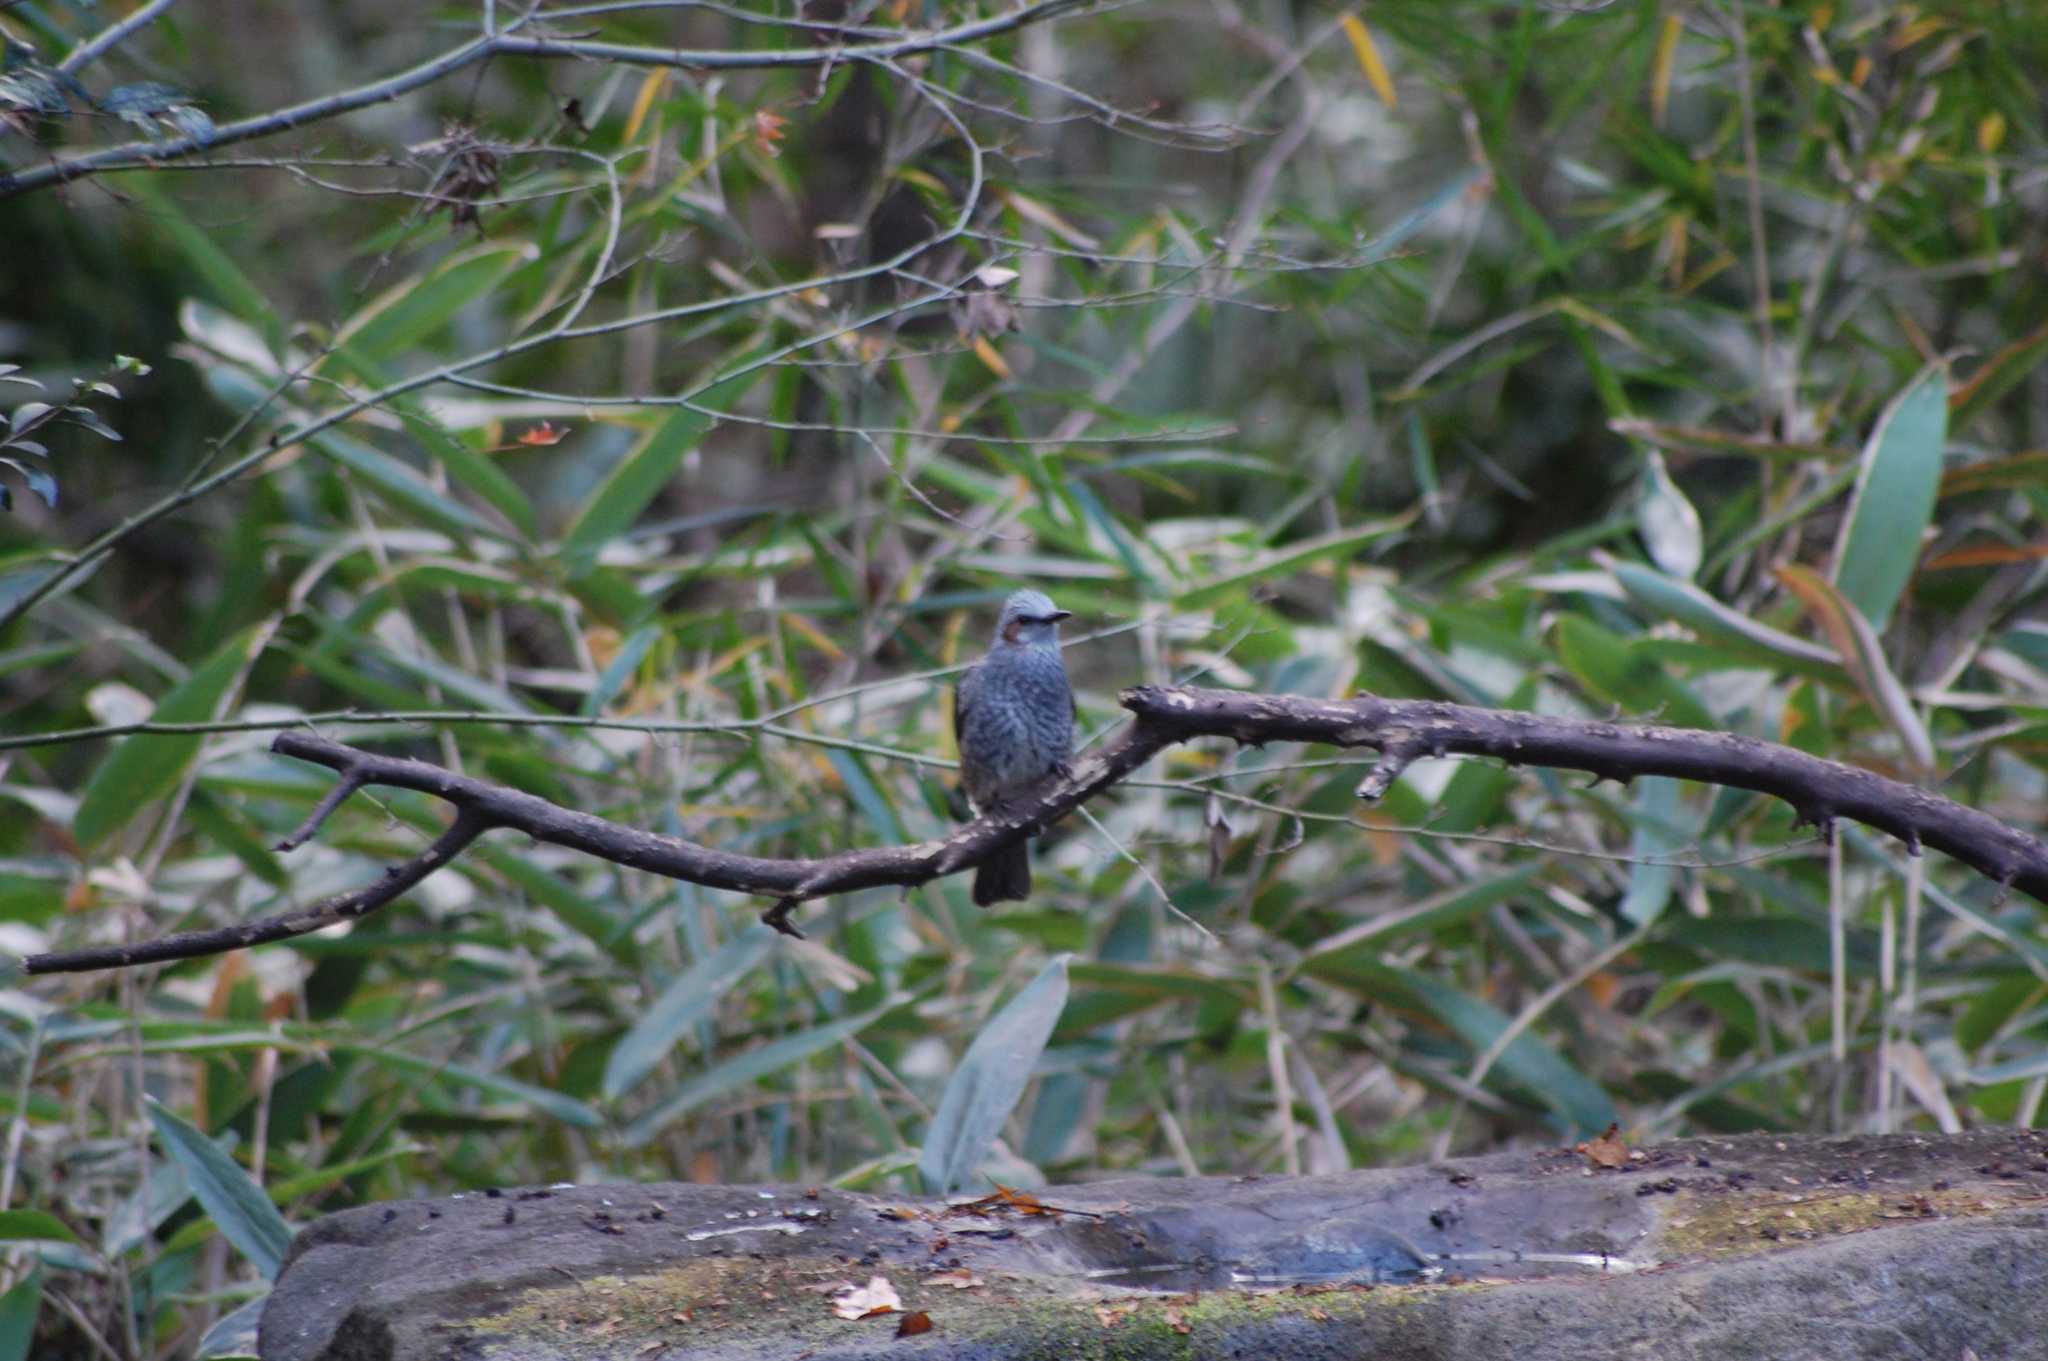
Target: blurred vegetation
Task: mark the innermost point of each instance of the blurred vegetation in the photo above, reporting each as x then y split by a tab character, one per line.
1672	360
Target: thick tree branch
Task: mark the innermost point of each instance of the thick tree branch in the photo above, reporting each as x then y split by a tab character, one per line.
1404	730
1401	730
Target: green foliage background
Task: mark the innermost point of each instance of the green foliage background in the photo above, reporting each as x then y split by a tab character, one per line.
1677	361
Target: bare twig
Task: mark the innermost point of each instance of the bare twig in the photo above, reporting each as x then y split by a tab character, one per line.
508	42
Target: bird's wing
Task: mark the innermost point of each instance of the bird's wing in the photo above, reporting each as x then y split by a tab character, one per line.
963	698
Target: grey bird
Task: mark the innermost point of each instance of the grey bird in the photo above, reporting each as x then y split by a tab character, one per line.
1013	713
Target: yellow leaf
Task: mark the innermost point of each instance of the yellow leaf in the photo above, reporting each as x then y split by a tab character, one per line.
1369	60
650	90
1990	133
1860	72
1660	67
991	356
1676	238
797	624
1917	30
1031	210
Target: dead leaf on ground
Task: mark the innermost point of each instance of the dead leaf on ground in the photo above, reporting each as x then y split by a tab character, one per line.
1609	1150
866	1301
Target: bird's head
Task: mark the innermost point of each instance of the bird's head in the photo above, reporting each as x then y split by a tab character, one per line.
1031	619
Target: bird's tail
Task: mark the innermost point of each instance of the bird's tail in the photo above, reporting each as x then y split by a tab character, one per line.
1004	877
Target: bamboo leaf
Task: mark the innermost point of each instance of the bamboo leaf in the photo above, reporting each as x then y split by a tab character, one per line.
688	999
990	1080
566	1109
239	1208
18	1309
34	1224
403	486
1667	521
234	1336
408	312
146	767
1335	546
1863	657
749	1067
1687	603
1894	498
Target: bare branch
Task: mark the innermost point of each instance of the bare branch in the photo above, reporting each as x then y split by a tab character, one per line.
389	887
146	151
1823	791
103	42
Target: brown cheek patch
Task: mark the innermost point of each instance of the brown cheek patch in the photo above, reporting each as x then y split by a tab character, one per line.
1012	629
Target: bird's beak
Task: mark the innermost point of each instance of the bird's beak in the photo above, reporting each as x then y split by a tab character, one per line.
1058	615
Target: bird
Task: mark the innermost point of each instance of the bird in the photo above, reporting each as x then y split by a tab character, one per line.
1013	716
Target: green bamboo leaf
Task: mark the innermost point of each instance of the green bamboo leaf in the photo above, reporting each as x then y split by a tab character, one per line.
1661	829
1528	1061
399	483
749	1067
1114	991
866	794
1993	1006
239	1207
472	468
232	832
1339	545
1616	671
1998	474
688	999
1669	598
21	574
991	1079
233	1337
1775	942
18	1308
1893	500
566	1109
215	267
620	670
408	312
145	768
1580	1104
1453	905
40	1224
632	486
600	924
1105	523
640	475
